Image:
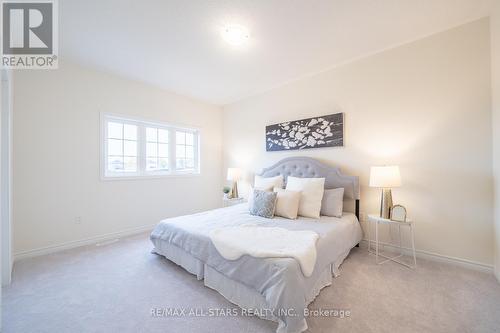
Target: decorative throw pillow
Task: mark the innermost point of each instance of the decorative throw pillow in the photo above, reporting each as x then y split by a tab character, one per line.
264	203
250	194
333	202
311	194
268	182
287	203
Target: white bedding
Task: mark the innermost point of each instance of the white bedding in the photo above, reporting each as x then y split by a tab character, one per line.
279	281
267	242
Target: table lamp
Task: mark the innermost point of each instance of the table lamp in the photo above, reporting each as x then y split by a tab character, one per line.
233	175
385	177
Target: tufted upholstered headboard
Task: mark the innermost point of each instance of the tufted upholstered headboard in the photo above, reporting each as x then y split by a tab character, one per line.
307	167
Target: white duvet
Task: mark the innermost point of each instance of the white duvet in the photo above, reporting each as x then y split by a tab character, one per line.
267	242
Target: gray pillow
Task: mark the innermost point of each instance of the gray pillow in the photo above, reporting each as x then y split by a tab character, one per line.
264	203
333	202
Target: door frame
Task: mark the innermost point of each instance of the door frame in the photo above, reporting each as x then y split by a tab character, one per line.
6	175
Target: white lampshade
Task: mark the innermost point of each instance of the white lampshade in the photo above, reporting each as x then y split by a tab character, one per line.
233	174
385	176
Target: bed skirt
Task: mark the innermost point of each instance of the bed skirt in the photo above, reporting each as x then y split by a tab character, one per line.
234	291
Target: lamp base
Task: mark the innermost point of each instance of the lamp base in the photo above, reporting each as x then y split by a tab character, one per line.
386	203
234	191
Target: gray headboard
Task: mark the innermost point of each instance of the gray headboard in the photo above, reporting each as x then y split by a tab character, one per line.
307	167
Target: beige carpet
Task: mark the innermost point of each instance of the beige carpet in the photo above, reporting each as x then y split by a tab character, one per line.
113	288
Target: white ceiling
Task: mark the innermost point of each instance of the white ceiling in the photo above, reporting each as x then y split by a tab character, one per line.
176	44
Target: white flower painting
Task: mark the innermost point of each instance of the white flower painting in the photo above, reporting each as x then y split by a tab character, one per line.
324	131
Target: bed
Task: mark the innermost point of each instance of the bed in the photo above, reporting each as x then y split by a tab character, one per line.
272	288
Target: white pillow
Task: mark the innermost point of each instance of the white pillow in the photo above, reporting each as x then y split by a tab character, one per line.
268	182
311	194
287	204
333	202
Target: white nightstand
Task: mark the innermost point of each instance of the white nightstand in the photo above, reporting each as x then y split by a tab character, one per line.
378	220
231	202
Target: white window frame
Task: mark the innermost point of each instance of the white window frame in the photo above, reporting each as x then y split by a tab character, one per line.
141	172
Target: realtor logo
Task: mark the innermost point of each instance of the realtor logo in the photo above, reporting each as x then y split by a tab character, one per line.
29	34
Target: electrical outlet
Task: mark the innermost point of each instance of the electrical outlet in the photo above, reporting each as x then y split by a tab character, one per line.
78	220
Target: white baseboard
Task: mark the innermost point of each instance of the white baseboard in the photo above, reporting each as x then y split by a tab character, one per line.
82	242
132	231
438	257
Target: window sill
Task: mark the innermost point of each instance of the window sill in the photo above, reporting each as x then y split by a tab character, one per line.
172	175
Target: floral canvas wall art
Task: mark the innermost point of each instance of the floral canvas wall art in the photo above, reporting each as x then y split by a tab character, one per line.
317	132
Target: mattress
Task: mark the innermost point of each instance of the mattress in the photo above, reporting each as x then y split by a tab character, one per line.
276	283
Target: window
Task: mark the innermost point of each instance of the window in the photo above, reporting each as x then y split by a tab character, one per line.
184	150
136	148
122	147
156	149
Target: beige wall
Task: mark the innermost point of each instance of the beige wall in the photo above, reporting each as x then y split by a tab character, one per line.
425	106
56	157
495	62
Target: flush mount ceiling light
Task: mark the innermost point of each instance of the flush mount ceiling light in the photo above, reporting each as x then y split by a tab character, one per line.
235	35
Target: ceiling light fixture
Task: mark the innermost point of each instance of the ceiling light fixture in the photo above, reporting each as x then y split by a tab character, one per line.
235	35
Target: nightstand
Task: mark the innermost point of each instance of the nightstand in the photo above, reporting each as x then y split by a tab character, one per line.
379	220
231	202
